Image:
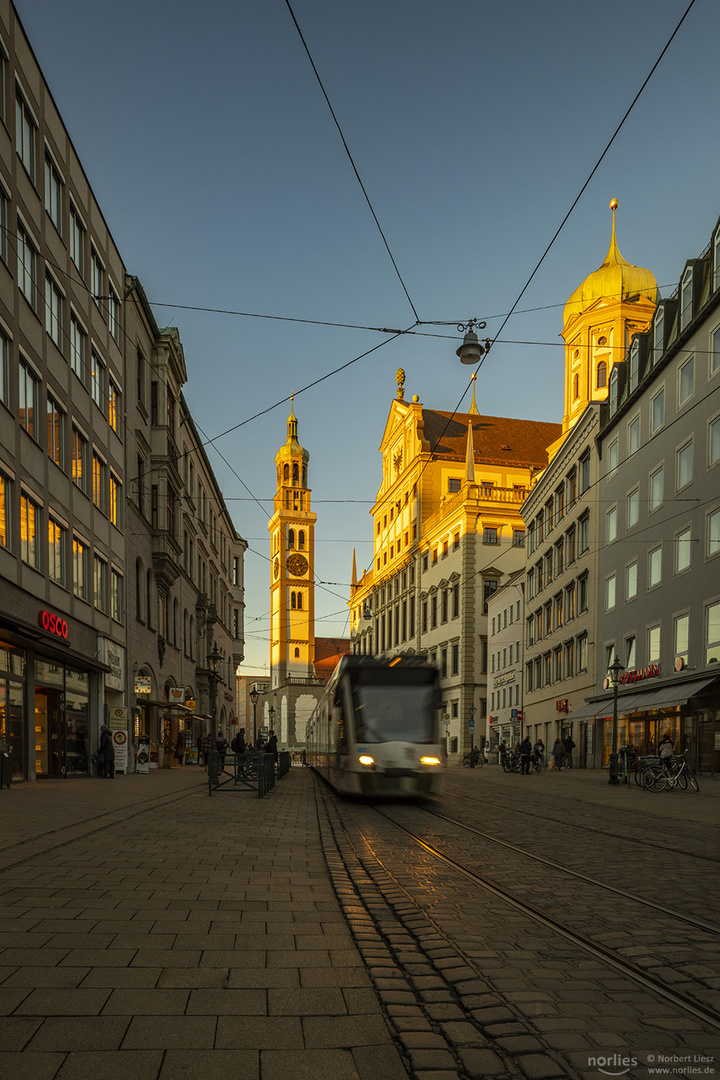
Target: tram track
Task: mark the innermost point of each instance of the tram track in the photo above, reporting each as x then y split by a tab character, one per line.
385	860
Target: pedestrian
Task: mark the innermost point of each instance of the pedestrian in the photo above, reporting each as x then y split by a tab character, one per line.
666	749
525	752
486	751
558	752
180	748
221	745
271	747
539	750
241	741
199	745
108	753
569	745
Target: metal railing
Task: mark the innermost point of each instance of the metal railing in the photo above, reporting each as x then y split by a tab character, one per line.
252	771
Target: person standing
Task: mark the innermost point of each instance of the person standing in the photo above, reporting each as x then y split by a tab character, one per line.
569	745
221	745
666	749
199	745
558	752
272	747
207	744
180	748
525	752
107	750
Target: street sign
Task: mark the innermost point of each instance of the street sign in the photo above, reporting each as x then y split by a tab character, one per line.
513	714
519	714
471	724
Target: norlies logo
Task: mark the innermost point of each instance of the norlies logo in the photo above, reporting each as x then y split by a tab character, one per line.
614	1064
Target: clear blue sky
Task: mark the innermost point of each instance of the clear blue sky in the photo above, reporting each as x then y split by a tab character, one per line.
473	125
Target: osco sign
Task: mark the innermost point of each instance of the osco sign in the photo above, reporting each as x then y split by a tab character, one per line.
53	624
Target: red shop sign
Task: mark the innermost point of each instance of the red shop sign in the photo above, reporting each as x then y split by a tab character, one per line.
53	624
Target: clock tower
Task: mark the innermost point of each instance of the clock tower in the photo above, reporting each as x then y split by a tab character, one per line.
292	552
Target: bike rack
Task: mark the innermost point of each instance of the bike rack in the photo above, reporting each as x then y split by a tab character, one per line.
236	770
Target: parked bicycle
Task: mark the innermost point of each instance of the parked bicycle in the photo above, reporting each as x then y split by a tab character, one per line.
473	760
675	774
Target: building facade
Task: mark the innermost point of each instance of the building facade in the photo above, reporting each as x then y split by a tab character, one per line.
95	590
659	556
506	619
447	533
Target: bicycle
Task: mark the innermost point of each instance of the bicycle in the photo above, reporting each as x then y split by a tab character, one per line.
645	763
473	760
663	777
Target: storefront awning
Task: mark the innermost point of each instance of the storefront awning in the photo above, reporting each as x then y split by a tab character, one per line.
168	706
643	700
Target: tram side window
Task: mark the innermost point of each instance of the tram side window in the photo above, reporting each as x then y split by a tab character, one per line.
341	742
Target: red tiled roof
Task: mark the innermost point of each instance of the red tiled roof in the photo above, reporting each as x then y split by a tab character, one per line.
496	439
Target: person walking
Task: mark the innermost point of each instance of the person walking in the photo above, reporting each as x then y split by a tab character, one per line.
108	752
539	750
221	745
272	748
199	745
180	748
569	745
525	752
558	752
207	744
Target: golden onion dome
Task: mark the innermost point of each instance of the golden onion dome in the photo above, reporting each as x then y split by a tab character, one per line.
615	280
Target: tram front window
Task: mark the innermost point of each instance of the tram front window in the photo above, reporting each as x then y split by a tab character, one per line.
394	713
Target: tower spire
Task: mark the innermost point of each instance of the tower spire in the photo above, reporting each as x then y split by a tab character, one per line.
473	410
470	456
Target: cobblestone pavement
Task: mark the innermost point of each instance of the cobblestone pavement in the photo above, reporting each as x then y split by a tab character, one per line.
151	932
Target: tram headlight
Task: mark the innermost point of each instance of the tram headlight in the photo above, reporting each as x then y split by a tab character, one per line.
430	761
365	759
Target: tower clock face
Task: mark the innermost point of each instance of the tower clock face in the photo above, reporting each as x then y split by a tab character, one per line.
276	566
297	565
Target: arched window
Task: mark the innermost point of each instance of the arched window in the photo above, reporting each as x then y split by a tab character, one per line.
297	652
304	482
286	473
576	387
176	608
185	633
296	474
191	639
148	598
299	601
301	540
293	600
291	538
601	378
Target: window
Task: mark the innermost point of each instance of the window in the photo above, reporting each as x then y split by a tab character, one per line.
656	488
633	508
100	583
4	219
658	331
489	587
97	380
634	366
716	260
633	436
601	375
653	644
27	260
113	310
4	370
114	507
80	569
570	602
53	193
713	533
584	534
4	511
490	536
654	567
684	465
557	665
55	432
53	311
582	653
97	277
559	559
681	629
99	482
569	659
631	580
612	461
25	133
714	441
518	538
712	633
683	548
715	352
57	551
584	472
583	593
77	240
113	404
78	339
657	411
29	520
570	546
28	386
686	297
455	660
686	381
116	594
630	653
571	486
79	459
453	484
610	593
611	525
613	394
456	601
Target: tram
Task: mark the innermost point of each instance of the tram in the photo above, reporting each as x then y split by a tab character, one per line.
376	729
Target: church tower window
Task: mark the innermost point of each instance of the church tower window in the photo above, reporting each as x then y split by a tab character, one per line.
291	538
601	375
301	540
295	474
286	473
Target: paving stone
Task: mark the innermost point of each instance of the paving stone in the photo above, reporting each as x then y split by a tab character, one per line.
537	1066
16	1031
210	1002
125	1065
259	1032
344	1031
74	1034
170	1032
308	1065
238	1064
77	1002
378	1063
18	1066
431	1059
306	1001
480	1063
